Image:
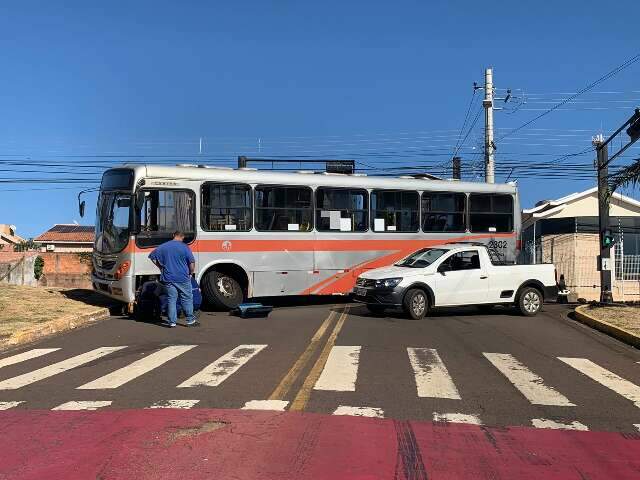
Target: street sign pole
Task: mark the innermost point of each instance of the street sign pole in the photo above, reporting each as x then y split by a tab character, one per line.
602	150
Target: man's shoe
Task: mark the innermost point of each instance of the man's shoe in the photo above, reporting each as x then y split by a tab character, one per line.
168	325
193	324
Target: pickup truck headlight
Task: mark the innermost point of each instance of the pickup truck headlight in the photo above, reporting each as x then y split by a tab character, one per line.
388	282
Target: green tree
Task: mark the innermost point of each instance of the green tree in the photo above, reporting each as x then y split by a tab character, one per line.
38	267
26	245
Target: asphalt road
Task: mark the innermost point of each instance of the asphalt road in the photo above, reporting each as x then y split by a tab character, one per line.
496	369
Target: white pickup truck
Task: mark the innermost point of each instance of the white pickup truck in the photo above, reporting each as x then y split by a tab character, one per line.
453	275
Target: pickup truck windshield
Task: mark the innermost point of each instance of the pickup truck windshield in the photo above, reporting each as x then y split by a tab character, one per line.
422	258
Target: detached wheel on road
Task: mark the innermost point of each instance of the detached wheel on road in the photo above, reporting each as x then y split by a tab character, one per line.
529	301
222	290
416	304
377	309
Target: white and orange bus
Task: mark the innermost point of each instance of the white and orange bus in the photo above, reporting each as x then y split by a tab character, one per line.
265	233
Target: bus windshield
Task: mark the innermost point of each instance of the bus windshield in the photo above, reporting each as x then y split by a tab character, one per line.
112	221
422	258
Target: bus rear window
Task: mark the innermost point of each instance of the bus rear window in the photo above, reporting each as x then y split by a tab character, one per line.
491	213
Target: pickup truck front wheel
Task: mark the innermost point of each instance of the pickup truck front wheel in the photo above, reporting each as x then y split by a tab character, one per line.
416	304
529	301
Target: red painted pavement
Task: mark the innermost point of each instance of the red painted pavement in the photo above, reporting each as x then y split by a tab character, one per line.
238	444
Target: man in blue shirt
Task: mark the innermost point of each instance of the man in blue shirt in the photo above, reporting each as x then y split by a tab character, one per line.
176	264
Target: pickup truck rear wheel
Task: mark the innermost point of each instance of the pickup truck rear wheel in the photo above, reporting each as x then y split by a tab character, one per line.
416	304
529	301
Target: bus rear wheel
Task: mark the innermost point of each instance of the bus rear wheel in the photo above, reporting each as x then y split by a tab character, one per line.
222	290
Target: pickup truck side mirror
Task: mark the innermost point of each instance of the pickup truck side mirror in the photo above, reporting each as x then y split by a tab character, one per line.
443	268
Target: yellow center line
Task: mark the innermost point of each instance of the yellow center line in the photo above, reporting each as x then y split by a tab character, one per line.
292	375
302	398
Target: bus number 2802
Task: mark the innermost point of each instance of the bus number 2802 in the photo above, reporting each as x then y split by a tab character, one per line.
501	244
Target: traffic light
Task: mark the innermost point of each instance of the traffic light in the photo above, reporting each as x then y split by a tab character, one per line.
634	126
608	239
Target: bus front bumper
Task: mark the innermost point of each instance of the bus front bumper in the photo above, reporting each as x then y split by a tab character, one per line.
122	290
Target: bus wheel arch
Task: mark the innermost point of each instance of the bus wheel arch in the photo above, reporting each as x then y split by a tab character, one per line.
225	285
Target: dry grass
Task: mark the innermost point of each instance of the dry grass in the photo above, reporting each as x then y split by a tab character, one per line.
623	317
23	307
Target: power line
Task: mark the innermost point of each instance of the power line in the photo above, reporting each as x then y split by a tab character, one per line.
605	77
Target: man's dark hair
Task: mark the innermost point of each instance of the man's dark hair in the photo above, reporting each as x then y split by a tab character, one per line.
178	233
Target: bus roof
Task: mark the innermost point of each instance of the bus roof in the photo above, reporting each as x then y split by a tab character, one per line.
313	179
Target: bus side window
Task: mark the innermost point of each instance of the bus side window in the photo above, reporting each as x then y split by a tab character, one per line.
443	212
283	208
226	207
164	212
341	210
394	211
491	213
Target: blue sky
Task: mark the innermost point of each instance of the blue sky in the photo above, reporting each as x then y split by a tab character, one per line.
383	82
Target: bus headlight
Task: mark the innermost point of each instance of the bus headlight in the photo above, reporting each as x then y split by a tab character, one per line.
122	269
388	282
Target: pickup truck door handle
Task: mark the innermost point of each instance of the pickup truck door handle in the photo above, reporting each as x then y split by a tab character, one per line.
483	277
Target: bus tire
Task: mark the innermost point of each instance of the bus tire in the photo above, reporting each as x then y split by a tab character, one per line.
416	304
222	290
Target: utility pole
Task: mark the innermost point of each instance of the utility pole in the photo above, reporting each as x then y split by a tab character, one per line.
604	262
489	146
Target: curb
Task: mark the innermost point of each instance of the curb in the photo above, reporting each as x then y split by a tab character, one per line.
616	332
58	325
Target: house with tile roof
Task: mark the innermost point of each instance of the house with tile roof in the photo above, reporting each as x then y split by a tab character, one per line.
66	238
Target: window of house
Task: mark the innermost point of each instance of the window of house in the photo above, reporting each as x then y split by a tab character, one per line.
341	210
443	212
280	208
163	213
490	213
394	211
226	207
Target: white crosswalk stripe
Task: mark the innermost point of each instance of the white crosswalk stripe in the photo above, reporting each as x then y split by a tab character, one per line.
182	404
469	419
552	424
56	368
28	355
139	367
373	412
277	405
341	370
529	384
604	377
217	372
83	405
8	405
432	377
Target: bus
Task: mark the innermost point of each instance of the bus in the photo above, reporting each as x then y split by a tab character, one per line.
261	233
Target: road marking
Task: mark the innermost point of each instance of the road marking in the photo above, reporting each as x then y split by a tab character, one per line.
278	405
182	404
303	395
292	375
134	370
28	355
551	424
217	372
603	376
8	405
530	385
56	368
432	378
341	370
469	419
373	412
83	405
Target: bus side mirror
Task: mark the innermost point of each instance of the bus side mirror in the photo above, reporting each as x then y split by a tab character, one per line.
81	208
139	199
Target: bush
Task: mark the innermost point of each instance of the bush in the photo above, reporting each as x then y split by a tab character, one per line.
38	267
